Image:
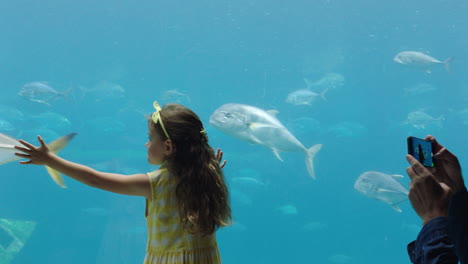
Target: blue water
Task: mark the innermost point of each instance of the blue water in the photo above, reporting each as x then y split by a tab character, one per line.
120	56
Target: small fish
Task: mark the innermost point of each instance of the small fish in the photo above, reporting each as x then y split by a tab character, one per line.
305	96
420	119
347	129
240	198
419	89
103	91
174	96
6	126
52	120
41	92
287	209
420	60
382	187
11	114
330	80
314	226
105	125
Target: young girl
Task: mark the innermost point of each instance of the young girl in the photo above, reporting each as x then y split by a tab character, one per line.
186	198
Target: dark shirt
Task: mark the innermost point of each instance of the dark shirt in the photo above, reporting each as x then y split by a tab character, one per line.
442	239
433	245
458	224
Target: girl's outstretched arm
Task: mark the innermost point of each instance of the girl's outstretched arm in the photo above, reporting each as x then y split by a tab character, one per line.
136	184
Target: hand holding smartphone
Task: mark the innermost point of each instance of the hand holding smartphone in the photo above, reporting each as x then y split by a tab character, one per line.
421	150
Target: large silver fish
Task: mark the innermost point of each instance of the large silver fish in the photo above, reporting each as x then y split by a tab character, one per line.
420	60
41	92
255	125
382	187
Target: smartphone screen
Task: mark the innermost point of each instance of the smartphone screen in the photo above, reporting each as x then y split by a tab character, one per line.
421	150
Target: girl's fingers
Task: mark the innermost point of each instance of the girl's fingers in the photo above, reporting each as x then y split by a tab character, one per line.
26	144
43	144
26	162
23	149
26	156
222	164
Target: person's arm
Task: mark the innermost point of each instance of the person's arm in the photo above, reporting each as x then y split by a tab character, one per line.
458	224
433	245
429	199
448	171
137	184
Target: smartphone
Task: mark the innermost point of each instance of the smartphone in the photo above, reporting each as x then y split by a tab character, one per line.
421	150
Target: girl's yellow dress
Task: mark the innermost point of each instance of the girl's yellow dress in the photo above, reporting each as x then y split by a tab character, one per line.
168	241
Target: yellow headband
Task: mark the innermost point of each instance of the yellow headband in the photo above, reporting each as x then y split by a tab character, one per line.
156	117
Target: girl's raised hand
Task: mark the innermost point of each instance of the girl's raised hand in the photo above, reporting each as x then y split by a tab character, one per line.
219	157
35	155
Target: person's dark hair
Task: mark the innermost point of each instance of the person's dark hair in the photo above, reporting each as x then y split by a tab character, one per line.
201	191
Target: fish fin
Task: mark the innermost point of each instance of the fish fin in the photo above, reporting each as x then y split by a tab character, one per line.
276	152
447	64
386	190
40	101
55	175
272	112
397	176
7	149
254	140
254	125
58	144
396	208
308	83
310	154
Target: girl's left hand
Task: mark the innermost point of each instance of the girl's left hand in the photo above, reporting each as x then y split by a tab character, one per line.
35	155
219	157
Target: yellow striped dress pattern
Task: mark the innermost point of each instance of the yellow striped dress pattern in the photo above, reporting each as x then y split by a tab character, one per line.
168	242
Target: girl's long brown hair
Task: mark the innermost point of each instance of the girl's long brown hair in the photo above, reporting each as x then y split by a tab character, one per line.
201	191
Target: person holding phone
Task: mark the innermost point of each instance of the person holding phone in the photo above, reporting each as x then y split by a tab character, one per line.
439	196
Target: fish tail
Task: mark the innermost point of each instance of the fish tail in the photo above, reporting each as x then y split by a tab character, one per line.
447	63
55	175
439	120
322	94
56	146
310	154
65	93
